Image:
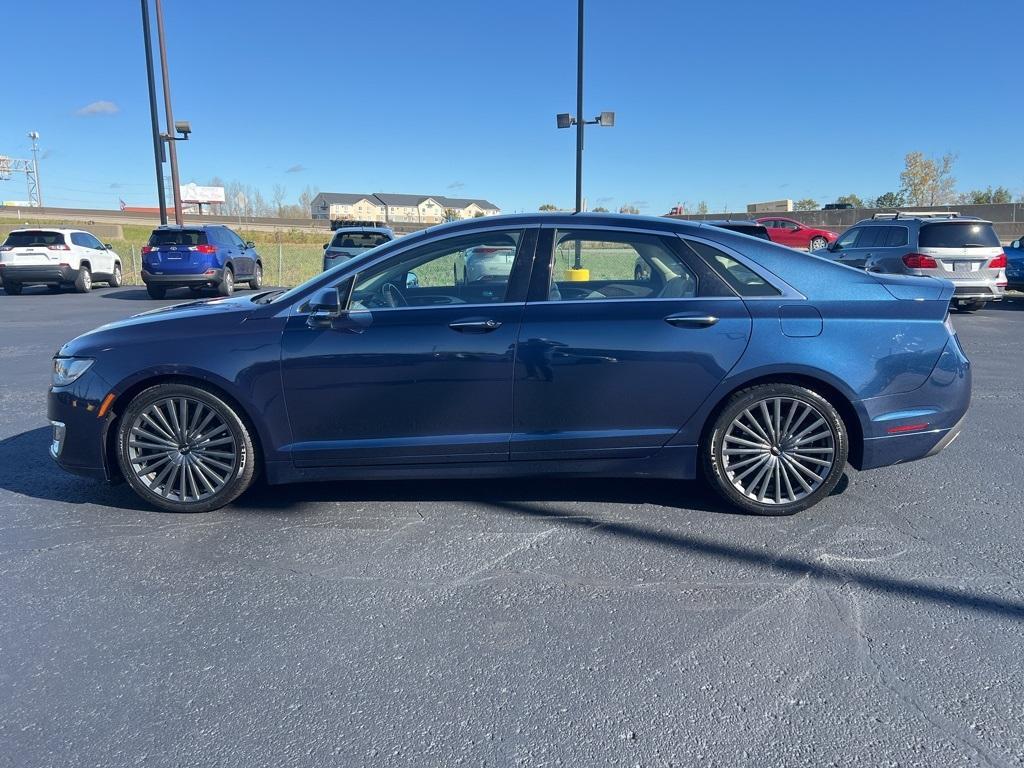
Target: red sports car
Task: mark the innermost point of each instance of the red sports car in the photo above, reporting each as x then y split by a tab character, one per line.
795	234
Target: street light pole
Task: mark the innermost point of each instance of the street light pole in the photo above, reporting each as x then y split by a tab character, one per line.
580	122
172	151
158	152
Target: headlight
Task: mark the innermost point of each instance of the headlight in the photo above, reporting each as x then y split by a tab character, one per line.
67	369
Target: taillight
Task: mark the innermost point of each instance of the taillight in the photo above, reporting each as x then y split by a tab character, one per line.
58	247
206	248
919	261
148	249
999	262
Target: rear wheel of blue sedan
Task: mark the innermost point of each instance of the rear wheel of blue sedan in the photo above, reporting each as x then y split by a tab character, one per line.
776	449
183	449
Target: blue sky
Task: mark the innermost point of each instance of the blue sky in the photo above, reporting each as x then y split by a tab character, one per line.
756	102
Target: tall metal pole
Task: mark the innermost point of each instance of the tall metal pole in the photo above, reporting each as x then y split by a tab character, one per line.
579	108
158	154
172	151
34	135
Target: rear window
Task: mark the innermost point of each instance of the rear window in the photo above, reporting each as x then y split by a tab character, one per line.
33	237
872	237
358	240
961	234
178	237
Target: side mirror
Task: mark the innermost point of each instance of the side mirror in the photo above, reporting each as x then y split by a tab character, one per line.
325	246
108	246
324	308
412	280
1015	245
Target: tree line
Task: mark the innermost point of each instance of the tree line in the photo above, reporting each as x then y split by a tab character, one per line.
245	200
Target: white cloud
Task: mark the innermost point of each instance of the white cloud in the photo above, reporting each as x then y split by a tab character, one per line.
98	108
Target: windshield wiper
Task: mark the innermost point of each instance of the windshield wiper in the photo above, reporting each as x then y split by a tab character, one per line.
264	298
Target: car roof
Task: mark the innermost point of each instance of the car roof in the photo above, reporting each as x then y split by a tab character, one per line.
902	220
172	227
386	230
50	229
731	222
566	220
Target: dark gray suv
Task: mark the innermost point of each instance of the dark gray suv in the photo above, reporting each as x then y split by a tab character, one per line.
962	249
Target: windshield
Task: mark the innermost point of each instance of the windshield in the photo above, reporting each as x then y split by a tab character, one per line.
354	261
963	234
33	237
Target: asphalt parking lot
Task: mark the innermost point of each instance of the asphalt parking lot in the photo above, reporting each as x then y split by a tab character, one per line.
511	623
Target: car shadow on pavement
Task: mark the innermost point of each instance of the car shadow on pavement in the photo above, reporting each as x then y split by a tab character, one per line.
26	469
1008	304
814	568
140	294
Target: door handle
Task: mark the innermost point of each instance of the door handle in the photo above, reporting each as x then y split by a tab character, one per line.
691	320
483	325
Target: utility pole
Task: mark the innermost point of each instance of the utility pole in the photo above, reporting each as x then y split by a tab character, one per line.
34	136
158	150
579	108
171	149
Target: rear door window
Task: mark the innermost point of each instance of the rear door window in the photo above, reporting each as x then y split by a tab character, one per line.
960	234
178	237
32	237
741	278
871	237
896	236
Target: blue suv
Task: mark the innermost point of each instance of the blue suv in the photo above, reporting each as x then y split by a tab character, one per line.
199	257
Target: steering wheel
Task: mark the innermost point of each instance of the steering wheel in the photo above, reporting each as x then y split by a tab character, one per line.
392	296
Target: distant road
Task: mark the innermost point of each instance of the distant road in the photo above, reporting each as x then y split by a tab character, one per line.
150	219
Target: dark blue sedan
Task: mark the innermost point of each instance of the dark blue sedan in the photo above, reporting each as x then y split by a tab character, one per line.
1015	265
763	370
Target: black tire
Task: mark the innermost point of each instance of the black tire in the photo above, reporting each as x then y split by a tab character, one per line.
226	286
83	282
13	289
156	291
257	277
724	478
237	477
115	276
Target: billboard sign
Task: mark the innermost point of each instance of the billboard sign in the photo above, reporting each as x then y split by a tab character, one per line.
193	193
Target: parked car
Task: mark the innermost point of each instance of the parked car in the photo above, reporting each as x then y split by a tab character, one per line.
347	242
764	372
796	234
963	249
207	256
1015	265
488	263
837	206
642	270
57	258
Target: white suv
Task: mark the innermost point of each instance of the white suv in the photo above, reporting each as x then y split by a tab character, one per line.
56	258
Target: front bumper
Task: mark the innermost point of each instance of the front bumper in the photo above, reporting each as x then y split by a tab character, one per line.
170	280
920	423
79	437
37	273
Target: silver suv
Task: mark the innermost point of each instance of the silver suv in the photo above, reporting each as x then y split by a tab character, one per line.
961	249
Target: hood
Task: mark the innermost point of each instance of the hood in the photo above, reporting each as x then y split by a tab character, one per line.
915	287
153	325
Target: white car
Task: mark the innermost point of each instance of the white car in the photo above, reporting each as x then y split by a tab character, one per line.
57	258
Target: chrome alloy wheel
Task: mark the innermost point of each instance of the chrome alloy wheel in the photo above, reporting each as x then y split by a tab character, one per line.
778	450
182	450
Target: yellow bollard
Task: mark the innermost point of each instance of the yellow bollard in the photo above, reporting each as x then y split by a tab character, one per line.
578	275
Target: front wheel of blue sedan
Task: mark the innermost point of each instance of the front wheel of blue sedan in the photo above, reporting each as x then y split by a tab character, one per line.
183	449
776	449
